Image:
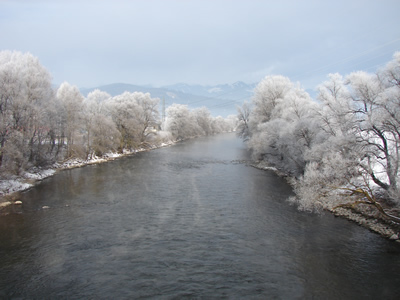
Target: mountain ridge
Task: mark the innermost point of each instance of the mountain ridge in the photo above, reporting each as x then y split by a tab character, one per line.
220	99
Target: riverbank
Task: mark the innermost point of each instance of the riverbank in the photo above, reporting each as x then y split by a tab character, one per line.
10	188
377	224
361	215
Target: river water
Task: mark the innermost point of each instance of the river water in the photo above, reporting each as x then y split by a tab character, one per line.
188	221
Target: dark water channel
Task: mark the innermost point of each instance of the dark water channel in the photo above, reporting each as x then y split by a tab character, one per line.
187	221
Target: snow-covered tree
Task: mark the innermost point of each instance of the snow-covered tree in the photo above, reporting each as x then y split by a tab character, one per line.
147	115
243	118
70	111
334	160
267	95
231	122
180	122
25	101
357	159
281	127
105	136
101	134
204	120
183	123
135	114
378	109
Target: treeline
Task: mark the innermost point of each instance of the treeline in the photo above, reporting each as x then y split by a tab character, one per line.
183	123
340	150
40	125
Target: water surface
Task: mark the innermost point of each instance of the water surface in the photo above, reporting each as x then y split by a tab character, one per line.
187	221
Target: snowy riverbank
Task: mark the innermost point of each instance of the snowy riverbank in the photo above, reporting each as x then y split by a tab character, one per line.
10	188
362	216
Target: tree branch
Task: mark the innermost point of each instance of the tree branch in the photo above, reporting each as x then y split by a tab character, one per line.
370	201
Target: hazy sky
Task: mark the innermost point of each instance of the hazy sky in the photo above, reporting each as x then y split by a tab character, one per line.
159	42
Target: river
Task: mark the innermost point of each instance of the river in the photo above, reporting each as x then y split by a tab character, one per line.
187	221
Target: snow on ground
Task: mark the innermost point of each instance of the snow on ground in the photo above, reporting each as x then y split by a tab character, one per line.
25	181
38	174
13	185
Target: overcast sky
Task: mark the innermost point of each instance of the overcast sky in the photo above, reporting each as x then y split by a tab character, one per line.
160	42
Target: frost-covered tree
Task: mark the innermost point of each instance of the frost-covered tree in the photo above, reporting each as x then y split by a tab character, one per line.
243	118
231	123
10	95
70	111
334	160
123	109
105	136
25	101
219	125
39	98
378	108
183	123
282	128
135	114
267	95
101	134
147	115
357	161
204	120
180	122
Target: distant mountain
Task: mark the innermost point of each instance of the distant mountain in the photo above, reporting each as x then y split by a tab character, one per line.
236	91
219	99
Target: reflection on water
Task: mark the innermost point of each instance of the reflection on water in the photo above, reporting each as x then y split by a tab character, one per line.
187	221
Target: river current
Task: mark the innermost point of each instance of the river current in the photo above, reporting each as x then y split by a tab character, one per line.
188	221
